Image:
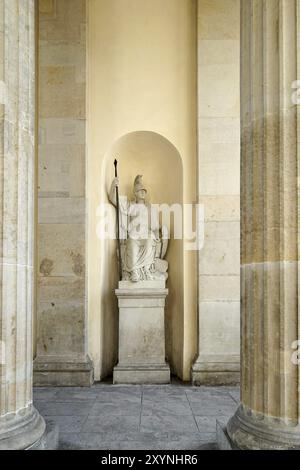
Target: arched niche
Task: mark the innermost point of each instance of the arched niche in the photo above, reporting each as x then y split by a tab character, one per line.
153	156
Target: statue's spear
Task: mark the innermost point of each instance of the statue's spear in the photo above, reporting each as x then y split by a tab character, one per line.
118	221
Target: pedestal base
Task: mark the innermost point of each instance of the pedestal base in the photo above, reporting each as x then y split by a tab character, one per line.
141	333
22	430
63	372
215	373
248	431
156	374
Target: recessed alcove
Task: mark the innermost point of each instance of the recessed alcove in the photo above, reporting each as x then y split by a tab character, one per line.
156	158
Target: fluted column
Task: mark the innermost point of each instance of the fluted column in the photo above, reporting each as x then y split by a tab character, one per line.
269	416
21	426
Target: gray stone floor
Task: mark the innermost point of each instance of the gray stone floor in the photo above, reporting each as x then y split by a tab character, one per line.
110	417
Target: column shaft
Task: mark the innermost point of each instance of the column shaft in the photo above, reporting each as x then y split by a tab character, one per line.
269	414
20	424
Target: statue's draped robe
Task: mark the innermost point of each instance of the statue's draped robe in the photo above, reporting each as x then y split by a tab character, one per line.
138	223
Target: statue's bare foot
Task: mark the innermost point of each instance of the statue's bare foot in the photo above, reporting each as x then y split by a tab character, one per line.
149	277
135	276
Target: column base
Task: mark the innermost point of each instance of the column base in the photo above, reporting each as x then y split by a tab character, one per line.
146	374
216	373
249	431
223	440
63	372
49	440
22	430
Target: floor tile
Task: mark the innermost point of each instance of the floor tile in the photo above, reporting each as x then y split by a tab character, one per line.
86	441
207	407
236	395
207	424
170	405
116	409
74	394
51	408
68	424
168	422
45	393
107	423
163	417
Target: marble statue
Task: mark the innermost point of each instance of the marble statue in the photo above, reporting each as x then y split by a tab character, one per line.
143	242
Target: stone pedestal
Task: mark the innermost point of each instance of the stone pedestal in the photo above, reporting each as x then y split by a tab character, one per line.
214	373
269	415
142	333
63	371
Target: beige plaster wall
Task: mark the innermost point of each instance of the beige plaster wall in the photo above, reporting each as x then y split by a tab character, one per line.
141	77
61	178
219	181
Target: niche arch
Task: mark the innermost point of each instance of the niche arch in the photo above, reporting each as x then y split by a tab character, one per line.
157	159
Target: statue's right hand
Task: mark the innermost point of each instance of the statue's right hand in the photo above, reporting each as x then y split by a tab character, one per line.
116	182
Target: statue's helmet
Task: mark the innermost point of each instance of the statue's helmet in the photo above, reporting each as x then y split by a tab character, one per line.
138	184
